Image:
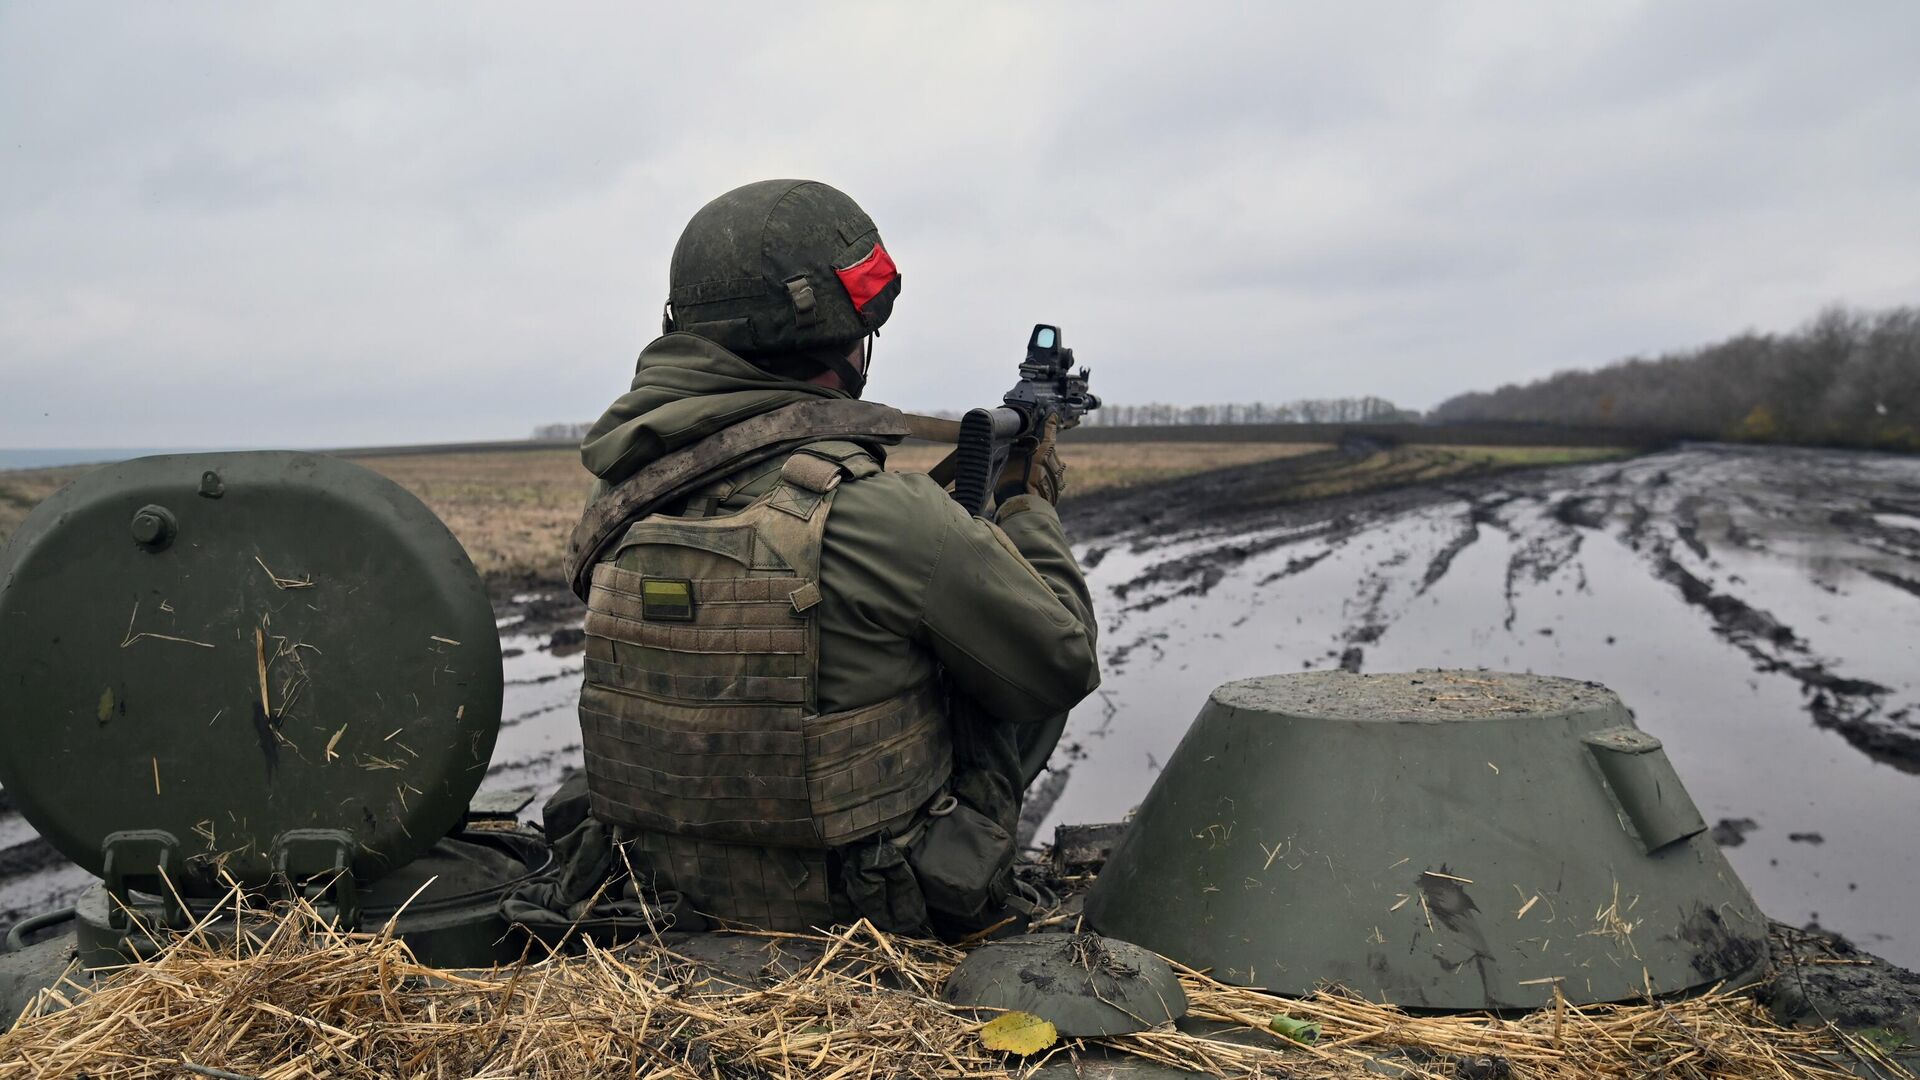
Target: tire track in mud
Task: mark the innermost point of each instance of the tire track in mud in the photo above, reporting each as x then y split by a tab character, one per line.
1442	560
1118	655
28	857
1662	508
1232	499
1229	502
1537	557
1853	708
1900	543
1904	584
1749	590
1200	571
1371	602
1299	564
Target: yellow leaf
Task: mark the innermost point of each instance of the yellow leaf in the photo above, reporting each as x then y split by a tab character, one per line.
1018	1033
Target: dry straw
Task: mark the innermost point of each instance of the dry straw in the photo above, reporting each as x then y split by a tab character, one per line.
295	998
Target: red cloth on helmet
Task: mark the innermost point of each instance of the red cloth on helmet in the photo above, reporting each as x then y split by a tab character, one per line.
865	279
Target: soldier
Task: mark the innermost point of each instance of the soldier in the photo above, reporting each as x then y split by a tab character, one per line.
808	681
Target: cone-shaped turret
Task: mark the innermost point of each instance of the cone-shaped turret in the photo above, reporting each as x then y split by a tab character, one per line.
1441	839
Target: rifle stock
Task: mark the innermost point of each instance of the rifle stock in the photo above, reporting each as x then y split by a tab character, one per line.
986	436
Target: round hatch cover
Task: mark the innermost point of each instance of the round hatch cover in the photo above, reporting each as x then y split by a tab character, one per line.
220	662
1083	984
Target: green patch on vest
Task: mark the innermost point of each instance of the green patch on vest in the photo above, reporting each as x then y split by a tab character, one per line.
666	600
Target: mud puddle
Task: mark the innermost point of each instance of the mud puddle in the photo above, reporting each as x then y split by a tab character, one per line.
539	725
1740	601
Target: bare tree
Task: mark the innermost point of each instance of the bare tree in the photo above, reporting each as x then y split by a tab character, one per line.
560	432
1845	378
1356	410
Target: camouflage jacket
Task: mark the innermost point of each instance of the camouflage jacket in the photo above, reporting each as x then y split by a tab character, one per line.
910	582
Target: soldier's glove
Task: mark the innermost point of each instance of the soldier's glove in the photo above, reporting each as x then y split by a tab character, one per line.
1034	467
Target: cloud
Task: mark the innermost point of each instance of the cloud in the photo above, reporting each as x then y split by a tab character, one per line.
277	224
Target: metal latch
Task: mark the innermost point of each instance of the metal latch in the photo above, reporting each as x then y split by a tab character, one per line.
317	864
149	860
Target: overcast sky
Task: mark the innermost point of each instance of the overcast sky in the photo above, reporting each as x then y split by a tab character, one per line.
339	224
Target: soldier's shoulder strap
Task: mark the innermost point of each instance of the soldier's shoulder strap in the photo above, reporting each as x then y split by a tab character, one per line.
813	425
811	474
818	465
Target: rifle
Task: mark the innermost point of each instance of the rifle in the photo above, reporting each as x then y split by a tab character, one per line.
1049	389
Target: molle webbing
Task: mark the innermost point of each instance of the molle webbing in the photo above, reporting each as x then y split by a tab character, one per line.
821	782
872	767
699	713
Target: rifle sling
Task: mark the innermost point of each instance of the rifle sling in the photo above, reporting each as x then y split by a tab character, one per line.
936	430
943	470
732	448
932	428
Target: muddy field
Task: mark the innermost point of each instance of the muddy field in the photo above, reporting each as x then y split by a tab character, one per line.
513	508
1759	609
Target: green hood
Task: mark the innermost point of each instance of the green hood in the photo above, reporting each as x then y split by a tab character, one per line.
685	388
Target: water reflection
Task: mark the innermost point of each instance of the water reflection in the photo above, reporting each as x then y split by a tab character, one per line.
1723	595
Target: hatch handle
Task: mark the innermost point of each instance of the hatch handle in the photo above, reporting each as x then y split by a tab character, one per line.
302	858
1648	799
148	859
24	930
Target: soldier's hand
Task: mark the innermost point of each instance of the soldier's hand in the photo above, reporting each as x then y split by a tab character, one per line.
1034	467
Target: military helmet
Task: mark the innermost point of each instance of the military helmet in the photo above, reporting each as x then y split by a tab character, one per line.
781	267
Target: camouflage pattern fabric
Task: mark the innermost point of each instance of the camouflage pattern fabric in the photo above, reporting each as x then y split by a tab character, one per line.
781	267
913	592
699	716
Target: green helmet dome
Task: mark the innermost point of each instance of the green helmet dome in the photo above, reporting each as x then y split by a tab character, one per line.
781	267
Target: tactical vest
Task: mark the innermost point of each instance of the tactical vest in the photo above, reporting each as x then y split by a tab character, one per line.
699	714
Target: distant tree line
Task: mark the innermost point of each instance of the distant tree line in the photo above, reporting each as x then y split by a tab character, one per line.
572	433
1356	410
1350	410
1846	378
